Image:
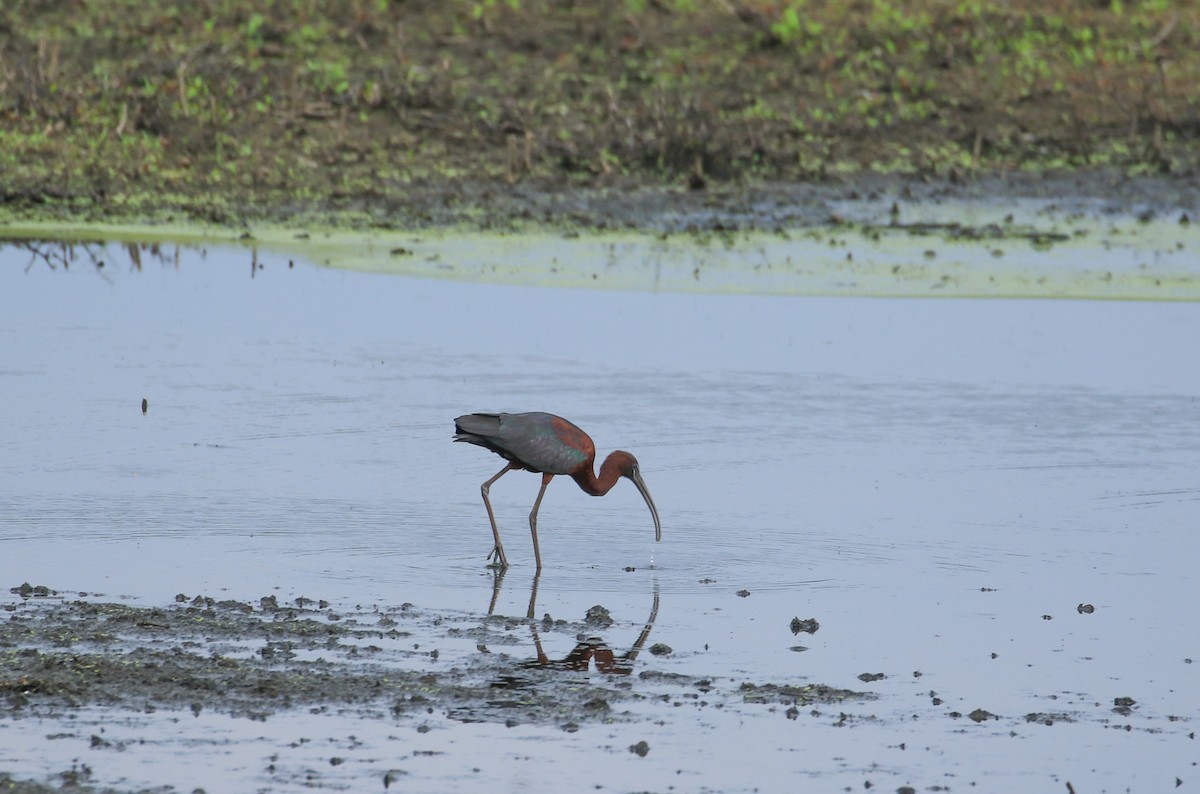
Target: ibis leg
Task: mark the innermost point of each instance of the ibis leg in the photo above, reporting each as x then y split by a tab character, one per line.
498	549
537	555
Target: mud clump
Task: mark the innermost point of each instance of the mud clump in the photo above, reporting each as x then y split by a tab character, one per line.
1044	718
1124	705
26	590
808	625
598	617
803	695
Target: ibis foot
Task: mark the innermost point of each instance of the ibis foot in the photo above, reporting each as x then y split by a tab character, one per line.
500	562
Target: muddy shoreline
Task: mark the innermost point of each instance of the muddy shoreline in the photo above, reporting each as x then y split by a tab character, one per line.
257	660
635	206
66	653
763	206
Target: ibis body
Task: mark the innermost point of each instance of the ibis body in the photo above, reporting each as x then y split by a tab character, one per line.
548	445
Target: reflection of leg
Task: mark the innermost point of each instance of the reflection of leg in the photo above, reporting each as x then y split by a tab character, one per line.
645	635
537	554
498	549
497	580
533	595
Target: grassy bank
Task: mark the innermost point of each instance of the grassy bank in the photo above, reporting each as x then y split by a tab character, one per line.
381	111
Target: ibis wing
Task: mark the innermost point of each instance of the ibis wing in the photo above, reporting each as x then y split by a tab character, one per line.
545	443
482	425
537	441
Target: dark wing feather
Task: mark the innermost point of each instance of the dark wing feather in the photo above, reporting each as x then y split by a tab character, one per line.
531	440
483	425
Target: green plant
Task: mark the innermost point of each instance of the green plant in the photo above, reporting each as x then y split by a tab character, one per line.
478	7
328	76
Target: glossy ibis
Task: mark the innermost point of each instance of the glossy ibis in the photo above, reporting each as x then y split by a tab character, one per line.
548	445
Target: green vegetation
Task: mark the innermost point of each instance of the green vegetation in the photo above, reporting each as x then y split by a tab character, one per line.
235	109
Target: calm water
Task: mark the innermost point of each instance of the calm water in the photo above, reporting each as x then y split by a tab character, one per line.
927	478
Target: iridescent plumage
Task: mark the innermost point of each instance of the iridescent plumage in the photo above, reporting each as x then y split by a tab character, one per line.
548	445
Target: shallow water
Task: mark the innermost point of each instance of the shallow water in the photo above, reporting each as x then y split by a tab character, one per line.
938	482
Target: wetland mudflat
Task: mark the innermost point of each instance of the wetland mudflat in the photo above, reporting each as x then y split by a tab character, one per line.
942	485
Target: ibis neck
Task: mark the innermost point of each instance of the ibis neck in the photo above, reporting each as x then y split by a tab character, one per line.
598	486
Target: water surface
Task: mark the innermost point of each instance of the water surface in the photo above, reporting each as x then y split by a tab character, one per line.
940	483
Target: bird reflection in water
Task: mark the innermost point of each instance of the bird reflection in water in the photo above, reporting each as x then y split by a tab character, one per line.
588	651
